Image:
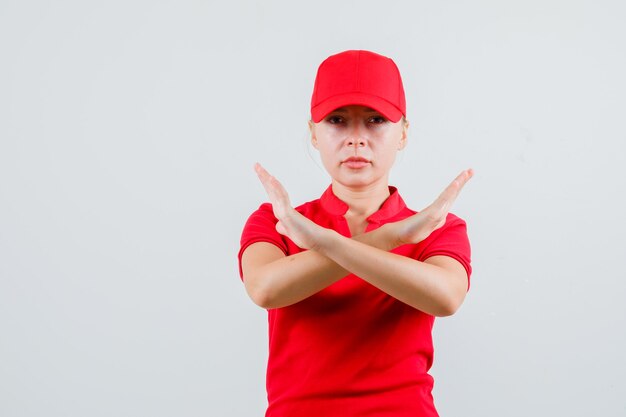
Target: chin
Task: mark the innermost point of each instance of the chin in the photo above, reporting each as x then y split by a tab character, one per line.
356	182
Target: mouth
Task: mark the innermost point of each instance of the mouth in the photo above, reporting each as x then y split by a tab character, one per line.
356	162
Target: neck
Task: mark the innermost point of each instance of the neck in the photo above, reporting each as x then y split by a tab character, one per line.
362	201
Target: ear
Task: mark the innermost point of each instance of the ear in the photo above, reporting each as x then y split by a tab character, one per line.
403	138
313	137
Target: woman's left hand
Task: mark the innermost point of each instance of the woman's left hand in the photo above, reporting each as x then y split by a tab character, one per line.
419	226
302	231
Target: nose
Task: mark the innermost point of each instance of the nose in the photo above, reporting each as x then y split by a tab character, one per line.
356	138
356	142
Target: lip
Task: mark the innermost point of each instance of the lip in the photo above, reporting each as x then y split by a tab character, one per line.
356	162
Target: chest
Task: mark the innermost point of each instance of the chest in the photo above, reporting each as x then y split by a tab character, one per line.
357	225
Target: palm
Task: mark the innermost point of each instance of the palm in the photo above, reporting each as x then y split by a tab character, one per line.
419	226
291	223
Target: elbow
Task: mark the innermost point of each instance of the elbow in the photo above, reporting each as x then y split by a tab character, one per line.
448	307
262	301
259	295
445	311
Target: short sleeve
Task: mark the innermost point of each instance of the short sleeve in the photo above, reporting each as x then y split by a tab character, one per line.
450	240
261	227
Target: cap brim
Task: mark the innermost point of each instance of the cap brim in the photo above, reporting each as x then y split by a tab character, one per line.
382	106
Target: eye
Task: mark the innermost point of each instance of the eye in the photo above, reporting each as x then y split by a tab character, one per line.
334	119
377	120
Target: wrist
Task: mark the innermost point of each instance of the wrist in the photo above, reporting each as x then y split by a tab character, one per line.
391	235
384	237
325	241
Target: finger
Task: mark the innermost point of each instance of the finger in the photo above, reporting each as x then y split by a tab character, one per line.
452	191
455	187
274	189
263	175
461	179
266	180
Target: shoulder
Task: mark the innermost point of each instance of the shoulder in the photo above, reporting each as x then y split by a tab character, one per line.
453	220
453	228
266	210
265	213
450	240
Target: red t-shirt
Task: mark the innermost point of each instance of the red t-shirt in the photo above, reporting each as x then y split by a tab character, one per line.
351	349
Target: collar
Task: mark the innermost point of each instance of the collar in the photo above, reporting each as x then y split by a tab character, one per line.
390	207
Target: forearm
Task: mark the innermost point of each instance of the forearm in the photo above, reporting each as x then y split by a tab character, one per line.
436	286
426	287
293	278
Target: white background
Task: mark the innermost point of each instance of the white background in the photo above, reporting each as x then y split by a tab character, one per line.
128	131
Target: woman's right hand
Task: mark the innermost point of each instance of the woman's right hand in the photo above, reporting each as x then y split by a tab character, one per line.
418	227
301	230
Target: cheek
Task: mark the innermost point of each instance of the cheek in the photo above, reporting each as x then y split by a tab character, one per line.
327	154
387	154
332	134
328	146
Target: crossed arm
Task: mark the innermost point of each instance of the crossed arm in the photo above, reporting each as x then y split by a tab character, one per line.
436	286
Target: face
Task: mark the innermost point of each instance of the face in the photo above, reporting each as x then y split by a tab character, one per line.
358	145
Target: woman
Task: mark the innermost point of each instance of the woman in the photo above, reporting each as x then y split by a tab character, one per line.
352	281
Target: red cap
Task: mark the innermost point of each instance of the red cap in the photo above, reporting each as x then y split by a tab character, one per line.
358	77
